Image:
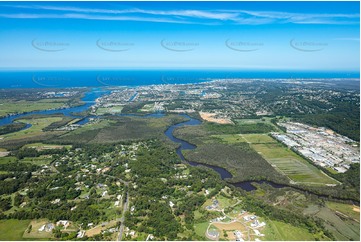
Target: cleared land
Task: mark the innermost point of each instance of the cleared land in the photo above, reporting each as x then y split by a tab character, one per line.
210	117
236	157
276	230
41	160
248	138
201	228
35	233
291	164
38	124
110	110
349	210
42	146
341	227
13	229
98	229
14	106
283	159
230	226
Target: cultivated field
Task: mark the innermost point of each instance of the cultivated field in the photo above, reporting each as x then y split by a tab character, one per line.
282	231
349	210
248	138
292	165
340	226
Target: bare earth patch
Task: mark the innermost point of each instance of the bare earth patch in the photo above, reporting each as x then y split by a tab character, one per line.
98	229
3	154
230	226
356	209
210	117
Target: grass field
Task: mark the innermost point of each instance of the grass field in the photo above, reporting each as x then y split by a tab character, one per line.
230	226
13	106
201	228
13	229
147	108
280	231
249	138
291	164
341	228
347	209
283	159
110	110
41	160
34	233
42	146
8	159
34	130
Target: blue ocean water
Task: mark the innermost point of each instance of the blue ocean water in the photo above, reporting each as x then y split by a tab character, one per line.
95	78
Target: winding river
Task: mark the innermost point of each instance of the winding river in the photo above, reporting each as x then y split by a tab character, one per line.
184	145
89	100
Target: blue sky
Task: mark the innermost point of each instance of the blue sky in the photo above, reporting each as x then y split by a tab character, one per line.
217	35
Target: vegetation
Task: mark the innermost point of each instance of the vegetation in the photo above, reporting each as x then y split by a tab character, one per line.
12	229
242	129
11	128
115	129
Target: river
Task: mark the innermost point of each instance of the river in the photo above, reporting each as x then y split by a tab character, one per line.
245	185
89	100
184	145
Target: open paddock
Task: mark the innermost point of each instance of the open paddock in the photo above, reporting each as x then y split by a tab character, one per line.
292	165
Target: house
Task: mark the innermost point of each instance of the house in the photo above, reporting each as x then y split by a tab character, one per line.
80	234
49	227
171	204
64	223
149	237
254	223
42	228
238	235
116	203
90	224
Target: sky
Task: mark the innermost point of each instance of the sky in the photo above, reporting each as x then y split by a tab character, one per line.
320	36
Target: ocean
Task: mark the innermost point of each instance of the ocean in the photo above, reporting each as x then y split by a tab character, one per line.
99	78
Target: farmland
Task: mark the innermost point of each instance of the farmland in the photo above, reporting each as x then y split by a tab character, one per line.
22	106
346	209
110	110
292	165
12	229
283	159
282	231
38	124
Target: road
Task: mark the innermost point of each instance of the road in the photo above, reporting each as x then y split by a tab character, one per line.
125	209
